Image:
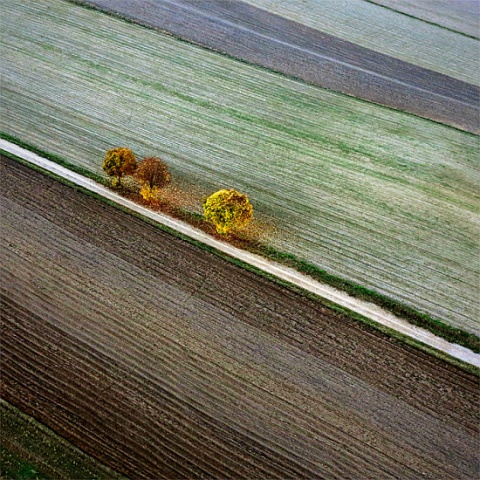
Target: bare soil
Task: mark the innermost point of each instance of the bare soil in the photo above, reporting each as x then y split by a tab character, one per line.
164	361
269	40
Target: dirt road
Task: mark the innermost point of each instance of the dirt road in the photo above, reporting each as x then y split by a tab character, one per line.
369	310
265	39
165	361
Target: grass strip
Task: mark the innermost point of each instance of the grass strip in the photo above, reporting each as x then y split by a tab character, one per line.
420	319
29	450
54	158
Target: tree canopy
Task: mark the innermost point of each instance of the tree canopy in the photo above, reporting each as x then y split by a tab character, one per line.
228	210
119	162
153	171
152	174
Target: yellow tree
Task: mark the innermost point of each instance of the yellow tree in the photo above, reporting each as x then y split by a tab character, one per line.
227	210
119	162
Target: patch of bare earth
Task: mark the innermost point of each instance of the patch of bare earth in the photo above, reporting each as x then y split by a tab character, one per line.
164	361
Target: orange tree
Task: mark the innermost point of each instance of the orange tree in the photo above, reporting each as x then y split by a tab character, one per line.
152	174
227	210
119	162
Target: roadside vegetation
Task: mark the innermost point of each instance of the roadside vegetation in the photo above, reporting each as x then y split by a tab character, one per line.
250	240
377	197
118	163
227	210
152	175
230	211
196	367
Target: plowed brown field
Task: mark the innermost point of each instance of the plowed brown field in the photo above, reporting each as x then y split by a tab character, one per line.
165	361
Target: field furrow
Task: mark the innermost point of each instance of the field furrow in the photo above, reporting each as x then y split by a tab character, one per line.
165	361
30	450
151	257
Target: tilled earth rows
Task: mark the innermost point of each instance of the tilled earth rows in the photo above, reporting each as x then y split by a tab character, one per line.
162	360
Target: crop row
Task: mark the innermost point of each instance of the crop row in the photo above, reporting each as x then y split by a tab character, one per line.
202	369
29	449
459	16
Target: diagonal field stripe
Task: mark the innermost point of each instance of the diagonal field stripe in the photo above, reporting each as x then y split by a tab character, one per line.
369	310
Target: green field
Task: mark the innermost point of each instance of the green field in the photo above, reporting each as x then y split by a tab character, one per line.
29	450
457	15
387	31
382	198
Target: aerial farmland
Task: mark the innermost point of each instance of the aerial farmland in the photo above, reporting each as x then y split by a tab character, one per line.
138	351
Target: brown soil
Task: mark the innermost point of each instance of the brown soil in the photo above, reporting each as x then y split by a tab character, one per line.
269	40
164	361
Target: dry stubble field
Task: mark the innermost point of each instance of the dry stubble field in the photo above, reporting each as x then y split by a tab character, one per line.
164	361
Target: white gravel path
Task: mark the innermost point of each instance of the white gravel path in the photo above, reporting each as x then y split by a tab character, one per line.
366	309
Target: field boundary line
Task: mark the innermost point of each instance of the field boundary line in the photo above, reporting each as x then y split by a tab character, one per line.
366	309
429	22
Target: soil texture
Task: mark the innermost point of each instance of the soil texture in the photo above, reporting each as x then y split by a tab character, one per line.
164	361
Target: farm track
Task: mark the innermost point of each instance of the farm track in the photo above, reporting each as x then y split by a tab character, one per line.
368	310
280	44
164	361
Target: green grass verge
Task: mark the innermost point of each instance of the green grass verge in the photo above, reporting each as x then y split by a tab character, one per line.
417	318
49	156
420	319
29	450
